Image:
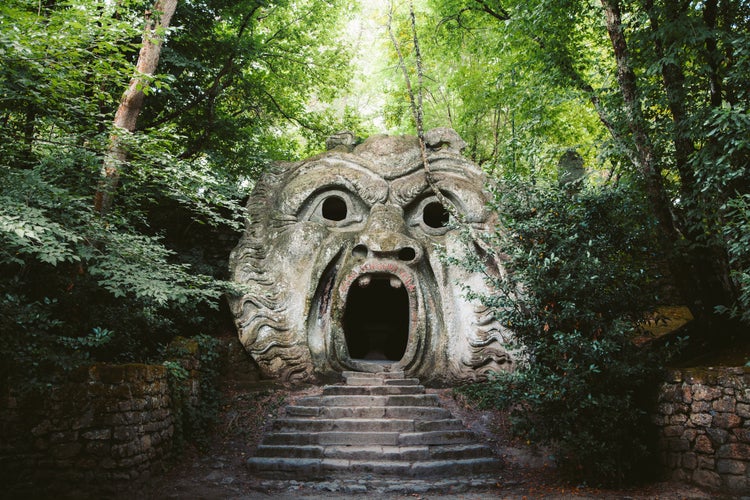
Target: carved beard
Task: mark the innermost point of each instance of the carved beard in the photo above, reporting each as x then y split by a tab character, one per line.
341	259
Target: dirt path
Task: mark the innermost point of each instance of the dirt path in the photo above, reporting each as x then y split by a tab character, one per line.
218	470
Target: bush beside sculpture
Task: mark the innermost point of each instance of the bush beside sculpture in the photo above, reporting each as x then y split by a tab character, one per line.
579	261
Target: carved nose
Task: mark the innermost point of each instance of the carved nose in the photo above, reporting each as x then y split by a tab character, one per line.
384	236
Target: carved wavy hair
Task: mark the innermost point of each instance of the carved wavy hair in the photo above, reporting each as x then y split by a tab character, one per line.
261	313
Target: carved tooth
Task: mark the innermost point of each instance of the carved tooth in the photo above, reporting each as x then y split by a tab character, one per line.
395	282
364	281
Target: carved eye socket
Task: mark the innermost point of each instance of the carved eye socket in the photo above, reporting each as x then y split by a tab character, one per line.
333	209
429	216
435	215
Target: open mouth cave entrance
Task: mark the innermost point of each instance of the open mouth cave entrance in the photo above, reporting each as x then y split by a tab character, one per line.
376	318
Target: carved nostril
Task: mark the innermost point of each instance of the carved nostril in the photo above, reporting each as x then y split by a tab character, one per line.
407	254
359	251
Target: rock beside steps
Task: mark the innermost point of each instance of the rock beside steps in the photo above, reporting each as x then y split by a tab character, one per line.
380	425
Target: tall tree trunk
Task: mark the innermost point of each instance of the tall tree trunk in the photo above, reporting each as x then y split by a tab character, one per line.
126	117
673	80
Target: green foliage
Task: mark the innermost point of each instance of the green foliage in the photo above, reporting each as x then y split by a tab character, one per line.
578	283
737	232
196	407
76	273
523	81
242	85
490	80
233	91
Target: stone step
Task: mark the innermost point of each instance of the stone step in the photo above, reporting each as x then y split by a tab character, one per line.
361	400
392	438
377	452
364	381
377	381
378	424
460	451
410	453
371	375
443	424
290	451
371	390
461	436
305	468
401	381
345	425
413	412
332	437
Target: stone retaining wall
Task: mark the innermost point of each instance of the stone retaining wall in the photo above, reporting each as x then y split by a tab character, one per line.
703	416
110	425
105	430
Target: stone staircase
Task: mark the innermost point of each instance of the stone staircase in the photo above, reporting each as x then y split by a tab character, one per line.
377	424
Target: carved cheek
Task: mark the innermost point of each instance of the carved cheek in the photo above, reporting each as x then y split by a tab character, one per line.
299	242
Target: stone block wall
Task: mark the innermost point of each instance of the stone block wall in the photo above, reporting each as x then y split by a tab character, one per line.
703	415
110	425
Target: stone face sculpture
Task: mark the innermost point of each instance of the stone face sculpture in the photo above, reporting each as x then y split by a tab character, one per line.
341	261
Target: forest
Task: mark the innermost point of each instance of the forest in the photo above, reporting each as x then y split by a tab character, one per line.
132	132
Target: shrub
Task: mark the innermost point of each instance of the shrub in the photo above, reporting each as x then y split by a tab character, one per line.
580	277
196	408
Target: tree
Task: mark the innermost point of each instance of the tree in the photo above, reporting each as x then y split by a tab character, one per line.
666	90
232	97
77	285
126	117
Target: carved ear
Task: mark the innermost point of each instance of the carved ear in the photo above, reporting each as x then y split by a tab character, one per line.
444	138
342	141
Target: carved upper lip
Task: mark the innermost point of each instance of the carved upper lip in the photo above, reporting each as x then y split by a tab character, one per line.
369	269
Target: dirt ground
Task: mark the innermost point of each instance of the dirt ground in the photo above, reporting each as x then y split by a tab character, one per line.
217	470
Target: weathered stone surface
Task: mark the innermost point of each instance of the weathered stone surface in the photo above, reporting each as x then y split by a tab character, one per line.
703	445
707	478
705	393
689	461
107	427
727	466
726	420
673	430
706	408
700	407
736	484
739	451
416	440
341	259
717	436
701	419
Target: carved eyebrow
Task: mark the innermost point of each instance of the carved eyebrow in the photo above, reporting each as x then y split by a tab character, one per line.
313	177
462	190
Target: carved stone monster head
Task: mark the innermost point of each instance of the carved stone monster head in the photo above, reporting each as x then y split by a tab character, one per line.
341	256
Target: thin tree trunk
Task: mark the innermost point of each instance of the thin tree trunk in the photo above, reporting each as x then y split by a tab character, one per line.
131	103
673	79
645	161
